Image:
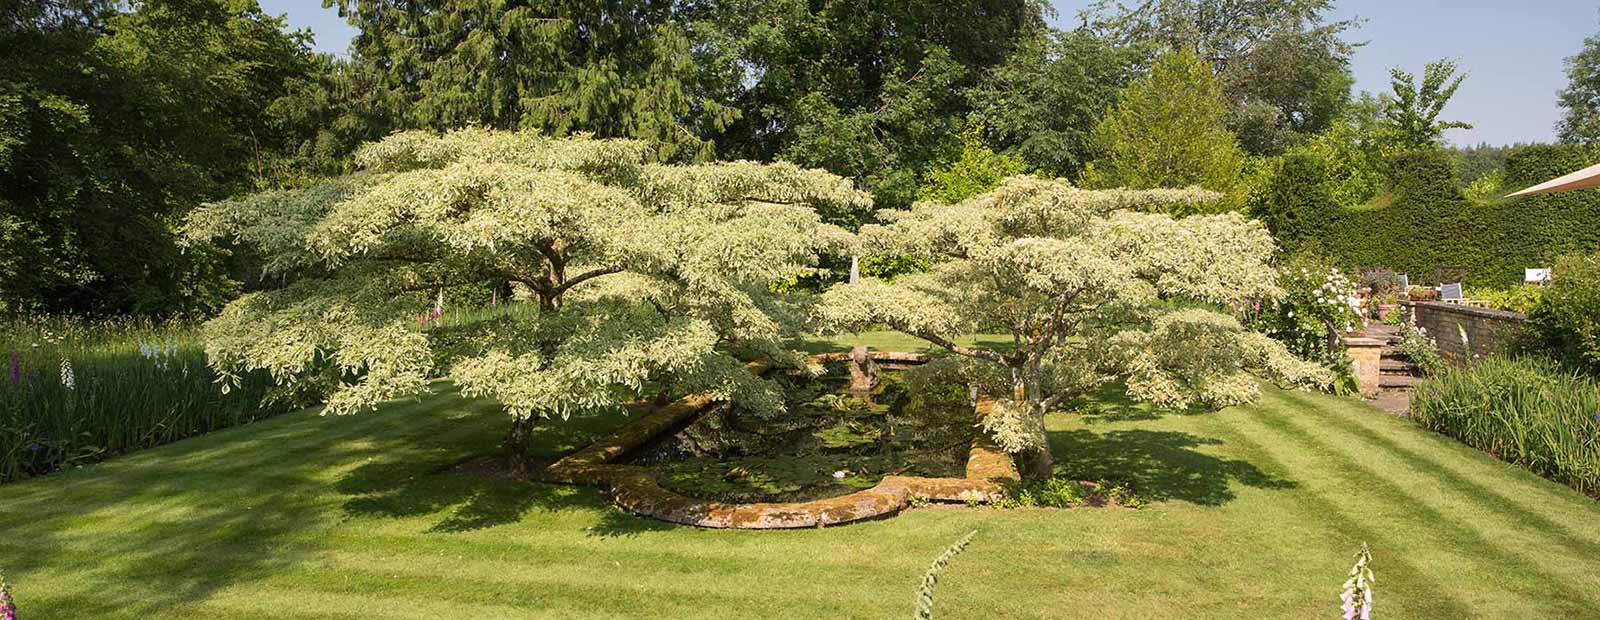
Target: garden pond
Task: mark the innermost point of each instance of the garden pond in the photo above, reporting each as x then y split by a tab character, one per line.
828	442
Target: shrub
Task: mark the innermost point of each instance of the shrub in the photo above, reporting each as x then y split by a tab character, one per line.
1566	322
1058	492
1425	221
1521	298
1319	304
1423	351
1295	203
1526	411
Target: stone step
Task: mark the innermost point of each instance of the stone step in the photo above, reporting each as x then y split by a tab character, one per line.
1398	366
1398	381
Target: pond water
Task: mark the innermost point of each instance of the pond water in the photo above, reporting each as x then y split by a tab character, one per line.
827	443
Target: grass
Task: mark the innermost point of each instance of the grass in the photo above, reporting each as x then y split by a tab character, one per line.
1257	513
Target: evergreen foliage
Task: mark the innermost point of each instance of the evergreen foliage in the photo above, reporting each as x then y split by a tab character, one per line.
1169	130
615	69
1042	103
1423	221
1283	65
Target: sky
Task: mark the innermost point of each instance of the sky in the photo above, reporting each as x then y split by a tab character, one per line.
1514	54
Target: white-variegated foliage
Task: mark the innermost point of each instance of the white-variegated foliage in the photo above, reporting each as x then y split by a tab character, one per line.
641	273
1092	285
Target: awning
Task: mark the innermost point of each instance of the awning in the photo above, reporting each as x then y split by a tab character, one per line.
1582	179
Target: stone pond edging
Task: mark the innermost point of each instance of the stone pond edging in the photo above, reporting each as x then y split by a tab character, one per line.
634	488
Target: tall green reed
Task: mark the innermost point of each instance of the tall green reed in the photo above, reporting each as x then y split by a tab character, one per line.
1526	411
75	391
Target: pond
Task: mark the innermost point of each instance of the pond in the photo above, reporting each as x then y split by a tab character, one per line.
827	443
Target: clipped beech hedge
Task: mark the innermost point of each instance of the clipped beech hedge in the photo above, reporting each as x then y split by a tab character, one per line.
1424	221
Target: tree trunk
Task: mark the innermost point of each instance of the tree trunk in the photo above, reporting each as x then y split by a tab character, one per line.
1039	463
515	448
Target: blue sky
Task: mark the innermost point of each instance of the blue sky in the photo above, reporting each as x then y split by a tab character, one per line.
1514	53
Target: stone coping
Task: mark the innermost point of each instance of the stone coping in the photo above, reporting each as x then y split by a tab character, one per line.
1489	313
635	489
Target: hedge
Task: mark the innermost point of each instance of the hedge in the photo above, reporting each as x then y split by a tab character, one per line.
1424	222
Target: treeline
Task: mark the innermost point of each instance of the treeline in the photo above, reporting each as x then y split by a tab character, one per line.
117	118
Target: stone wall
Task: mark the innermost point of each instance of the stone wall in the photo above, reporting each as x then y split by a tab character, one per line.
1487	331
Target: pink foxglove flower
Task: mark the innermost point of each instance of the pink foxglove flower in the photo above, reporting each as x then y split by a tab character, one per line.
8	608
1357	596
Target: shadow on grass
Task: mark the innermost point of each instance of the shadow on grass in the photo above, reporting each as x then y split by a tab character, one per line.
618	523
1158	465
1111	403
415	487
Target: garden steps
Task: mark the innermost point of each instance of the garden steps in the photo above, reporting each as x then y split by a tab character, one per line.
1398	375
1405	382
1393	366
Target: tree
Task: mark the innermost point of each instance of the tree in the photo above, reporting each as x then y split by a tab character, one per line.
1413	115
1356	149
1284	67
115	120
1169	130
870	91
614	69
1041	104
1091	285
637	274
979	169
1580	100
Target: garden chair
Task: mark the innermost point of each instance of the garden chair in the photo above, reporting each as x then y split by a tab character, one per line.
1535	276
1451	293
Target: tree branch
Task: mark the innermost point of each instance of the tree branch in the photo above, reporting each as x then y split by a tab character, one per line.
581	278
956	348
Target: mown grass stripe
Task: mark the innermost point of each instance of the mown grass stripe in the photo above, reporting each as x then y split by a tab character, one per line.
1567	537
1450	533
1470	461
1342	527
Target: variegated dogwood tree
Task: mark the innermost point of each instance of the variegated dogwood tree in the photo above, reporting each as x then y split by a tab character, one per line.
639	274
1092	286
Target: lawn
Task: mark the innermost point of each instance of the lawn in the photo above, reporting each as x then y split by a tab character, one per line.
1257	512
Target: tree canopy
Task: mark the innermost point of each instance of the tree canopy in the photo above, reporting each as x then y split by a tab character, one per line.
1413	114
1169	130
1580	100
1283	65
114	121
639	273
1091	285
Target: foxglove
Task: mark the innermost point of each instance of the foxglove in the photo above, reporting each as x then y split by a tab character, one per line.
1357	595
8	608
68	380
